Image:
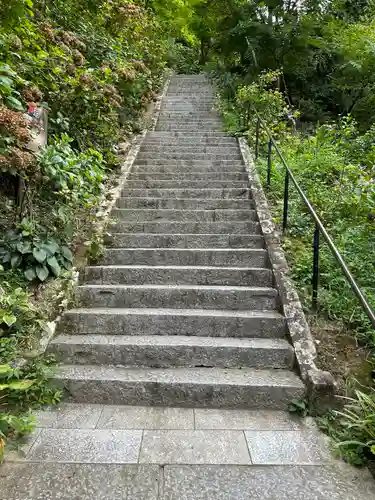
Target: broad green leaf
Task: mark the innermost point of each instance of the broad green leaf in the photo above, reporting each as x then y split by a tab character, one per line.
14	103
54	265
5	257
68	265
30	274
42	272
16	260
24	247
4	80
9	319
66	253
50	247
40	254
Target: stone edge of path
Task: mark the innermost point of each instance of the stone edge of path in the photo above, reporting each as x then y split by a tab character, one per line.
321	386
106	205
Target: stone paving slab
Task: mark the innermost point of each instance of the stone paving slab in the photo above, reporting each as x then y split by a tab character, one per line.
207	418
287	447
86	446
146	417
265	483
35	481
70	416
194	447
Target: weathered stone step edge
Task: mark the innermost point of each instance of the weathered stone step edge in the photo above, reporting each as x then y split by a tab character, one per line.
168	352
144	240
195	322
153	214
217	257
184	203
204	176
189	387
224	164
233	227
178	296
194	134
192	193
172	168
156	184
177	275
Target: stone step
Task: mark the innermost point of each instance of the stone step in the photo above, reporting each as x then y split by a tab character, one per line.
206	109
161	215
188	387
185	204
166	155
250	227
189	176
179	115
188	127
179	275
181	149
171	168
187	142
169	352
224	164
194	322
141	240
199	194
163	134
165	184
178	297
220	257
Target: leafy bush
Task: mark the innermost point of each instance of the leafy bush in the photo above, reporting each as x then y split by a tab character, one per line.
355	428
38	257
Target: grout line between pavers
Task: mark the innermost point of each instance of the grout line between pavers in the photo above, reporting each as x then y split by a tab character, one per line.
140	446
161	482
248	448
99	418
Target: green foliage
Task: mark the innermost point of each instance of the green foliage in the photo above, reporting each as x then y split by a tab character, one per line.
77	178
352	428
300	407
19	319
357	420
38	257
324	49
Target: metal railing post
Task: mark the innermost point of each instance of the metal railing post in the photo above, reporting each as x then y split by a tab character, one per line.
257	139
269	163
315	279
286	201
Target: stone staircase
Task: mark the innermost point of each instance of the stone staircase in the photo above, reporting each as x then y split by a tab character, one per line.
182	310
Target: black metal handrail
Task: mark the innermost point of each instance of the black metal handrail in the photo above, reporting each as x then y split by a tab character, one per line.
319	227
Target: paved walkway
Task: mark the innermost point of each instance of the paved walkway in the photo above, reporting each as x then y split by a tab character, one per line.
94	452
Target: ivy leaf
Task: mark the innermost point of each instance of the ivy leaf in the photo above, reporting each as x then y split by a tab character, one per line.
39	254
42	272
16	260
54	265
67	254
30	274
9	319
